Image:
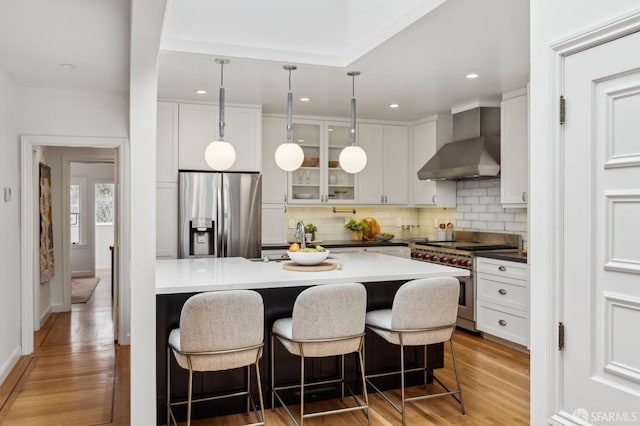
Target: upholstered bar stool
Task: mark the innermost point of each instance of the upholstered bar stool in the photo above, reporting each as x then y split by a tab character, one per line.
424	312
327	320
219	330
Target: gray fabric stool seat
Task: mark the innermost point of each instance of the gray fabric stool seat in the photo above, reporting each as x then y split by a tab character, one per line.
327	320
424	312
218	331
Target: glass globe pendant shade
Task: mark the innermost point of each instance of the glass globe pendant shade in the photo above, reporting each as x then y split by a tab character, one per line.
220	155
289	156
353	159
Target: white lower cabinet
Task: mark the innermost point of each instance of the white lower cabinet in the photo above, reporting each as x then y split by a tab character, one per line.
503	299
167	220
274	223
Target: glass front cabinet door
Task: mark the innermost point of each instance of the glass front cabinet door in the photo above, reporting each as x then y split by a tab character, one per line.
320	180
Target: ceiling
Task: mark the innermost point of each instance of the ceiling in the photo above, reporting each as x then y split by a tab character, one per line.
415	53
37	36
422	67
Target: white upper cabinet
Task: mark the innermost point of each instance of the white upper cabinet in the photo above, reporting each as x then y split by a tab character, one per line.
384	179
167	142
428	137
274	179
514	141
199	126
320	180
274	223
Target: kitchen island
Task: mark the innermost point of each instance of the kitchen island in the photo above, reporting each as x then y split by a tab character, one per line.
382	275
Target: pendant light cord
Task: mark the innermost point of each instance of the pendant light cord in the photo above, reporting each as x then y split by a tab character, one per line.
221	99
353	75
290	104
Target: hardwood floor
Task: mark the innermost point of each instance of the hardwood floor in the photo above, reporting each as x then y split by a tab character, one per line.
77	376
495	386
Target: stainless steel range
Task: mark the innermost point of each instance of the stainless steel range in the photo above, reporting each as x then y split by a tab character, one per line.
461	253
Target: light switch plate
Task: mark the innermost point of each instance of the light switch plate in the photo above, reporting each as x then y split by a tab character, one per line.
398	221
292	223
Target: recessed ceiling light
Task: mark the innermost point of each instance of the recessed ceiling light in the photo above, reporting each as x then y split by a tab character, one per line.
472	76
394	105
201	92
67	66
304	99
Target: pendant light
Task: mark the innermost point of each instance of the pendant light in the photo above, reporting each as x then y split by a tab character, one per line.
220	155
289	156
353	158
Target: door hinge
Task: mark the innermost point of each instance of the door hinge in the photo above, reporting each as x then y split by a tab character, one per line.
560	336
562	110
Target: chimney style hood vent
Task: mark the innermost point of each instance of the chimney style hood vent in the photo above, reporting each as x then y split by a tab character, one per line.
475	151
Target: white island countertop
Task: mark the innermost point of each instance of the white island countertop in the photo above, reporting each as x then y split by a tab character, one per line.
228	273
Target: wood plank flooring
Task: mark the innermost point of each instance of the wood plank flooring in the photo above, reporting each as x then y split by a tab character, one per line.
77	376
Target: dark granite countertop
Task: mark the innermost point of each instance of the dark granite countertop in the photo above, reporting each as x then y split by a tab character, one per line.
341	243
512	257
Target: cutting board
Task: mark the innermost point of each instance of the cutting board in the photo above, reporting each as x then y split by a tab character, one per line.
324	266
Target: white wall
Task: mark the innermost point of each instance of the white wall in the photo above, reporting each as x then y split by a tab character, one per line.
551	21
146	26
9	229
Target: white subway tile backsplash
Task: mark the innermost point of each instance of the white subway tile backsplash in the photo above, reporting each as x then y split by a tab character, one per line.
515	210
479	225
504	217
487	200
495	226
471	200
515	226
479	192
479	208
521	217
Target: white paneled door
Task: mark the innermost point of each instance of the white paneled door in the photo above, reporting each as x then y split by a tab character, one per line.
600	244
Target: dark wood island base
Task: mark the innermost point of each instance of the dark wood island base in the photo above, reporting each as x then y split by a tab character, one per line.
278	303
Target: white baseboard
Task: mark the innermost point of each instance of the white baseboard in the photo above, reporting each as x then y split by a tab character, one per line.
44	316
82	274
58	307
11	362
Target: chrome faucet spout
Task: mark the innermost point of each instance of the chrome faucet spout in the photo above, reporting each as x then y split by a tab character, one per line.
300	234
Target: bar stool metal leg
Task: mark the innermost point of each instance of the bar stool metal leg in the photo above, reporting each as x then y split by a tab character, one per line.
455	368
273	376
168	385
260	391
301	388
402	379
364	382
190	395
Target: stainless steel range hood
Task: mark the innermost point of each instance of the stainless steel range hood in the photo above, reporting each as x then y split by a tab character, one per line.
475	150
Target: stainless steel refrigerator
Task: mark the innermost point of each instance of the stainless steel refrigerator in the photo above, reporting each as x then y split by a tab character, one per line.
220	214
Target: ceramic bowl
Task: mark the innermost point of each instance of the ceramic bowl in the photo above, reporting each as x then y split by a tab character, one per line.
308	257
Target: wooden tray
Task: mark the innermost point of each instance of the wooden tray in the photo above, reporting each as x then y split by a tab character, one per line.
324	266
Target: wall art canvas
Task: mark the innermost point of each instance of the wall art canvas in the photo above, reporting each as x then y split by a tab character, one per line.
46	228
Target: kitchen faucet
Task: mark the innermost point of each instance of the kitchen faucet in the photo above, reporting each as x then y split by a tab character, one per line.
300	234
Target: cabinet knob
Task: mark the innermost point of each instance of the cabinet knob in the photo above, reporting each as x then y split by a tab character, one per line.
385	199
502	322
502	268
502	291
285	209
433	199
285	198
524	196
